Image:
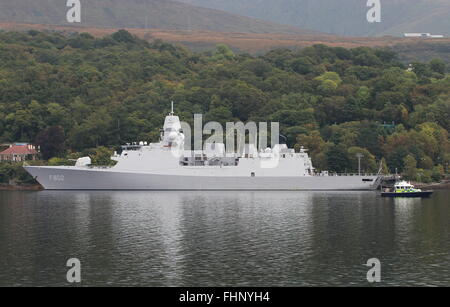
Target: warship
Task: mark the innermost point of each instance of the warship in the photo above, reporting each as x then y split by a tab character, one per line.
154	166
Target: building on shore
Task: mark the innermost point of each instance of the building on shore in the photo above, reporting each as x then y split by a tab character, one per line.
19	152
423	35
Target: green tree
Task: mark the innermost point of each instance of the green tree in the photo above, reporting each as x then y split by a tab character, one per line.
368	162
102	157
302	65
123	36
330	75
327	87
384	167
438	66
410	170
316	147
338	160
51	142
222	52
437	173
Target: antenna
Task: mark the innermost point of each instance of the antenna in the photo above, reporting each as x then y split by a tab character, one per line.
171	112
359	156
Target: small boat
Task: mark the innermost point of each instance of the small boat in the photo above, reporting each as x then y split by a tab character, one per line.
405	189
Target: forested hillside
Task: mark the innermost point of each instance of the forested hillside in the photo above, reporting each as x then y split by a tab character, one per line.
333	101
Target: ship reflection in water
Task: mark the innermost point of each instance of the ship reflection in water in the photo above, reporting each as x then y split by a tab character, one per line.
222	238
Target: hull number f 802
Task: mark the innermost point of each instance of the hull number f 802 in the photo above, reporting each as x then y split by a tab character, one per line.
58	178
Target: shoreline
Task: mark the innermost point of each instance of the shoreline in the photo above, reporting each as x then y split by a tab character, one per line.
444	185
26	187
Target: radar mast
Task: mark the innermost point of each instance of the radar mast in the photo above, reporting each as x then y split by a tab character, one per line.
171	110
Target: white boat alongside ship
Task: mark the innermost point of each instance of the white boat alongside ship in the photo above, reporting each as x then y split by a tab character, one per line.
154	166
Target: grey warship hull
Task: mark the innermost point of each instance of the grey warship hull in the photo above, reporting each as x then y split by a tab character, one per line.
75	178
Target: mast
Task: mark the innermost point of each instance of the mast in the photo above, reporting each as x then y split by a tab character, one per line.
171	112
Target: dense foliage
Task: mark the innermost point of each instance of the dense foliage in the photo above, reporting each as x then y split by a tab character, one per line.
334	101
14	173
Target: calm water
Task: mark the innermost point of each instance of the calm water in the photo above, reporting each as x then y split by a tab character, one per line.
222	238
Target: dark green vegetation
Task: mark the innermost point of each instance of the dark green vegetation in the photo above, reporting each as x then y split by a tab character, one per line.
423	51
14	173
344	17
334	101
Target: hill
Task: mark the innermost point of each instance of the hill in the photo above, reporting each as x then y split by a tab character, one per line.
409	49
332	100
345	17
163	14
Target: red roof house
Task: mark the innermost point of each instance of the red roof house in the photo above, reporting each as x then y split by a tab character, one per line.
19	153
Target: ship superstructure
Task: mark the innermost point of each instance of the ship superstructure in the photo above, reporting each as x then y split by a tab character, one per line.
165	165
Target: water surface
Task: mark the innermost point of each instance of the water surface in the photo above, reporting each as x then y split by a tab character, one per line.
222	238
